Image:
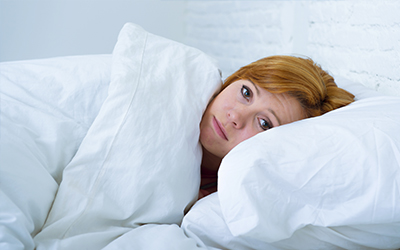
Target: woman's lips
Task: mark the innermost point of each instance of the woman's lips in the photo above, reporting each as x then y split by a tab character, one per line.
219	129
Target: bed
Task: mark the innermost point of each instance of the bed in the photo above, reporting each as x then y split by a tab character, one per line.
102	152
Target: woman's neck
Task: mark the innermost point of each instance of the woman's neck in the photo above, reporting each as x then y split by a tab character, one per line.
210	163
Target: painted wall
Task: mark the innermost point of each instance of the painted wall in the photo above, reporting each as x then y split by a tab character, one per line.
46	28
356	39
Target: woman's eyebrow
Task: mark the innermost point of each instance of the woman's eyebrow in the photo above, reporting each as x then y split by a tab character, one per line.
274	114
255	86
270	110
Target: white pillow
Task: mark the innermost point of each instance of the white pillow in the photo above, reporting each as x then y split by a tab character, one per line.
47	106
140	160
338	171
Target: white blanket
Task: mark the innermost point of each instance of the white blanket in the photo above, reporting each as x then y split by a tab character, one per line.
139	163
47	106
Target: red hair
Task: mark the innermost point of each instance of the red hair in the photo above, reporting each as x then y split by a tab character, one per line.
301	78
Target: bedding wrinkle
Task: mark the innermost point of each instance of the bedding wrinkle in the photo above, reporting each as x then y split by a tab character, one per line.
32	98
44	117
380	156
50	157
102	170
377	175
319	202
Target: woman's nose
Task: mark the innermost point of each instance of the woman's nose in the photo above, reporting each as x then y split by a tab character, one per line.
236	118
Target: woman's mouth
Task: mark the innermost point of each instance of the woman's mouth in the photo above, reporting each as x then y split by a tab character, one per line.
219	129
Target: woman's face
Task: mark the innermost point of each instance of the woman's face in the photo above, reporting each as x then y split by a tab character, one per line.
241	111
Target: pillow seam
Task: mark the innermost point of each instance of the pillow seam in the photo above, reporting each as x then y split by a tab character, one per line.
101	170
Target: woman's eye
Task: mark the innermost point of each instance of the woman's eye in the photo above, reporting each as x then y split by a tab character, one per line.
265	125
246	92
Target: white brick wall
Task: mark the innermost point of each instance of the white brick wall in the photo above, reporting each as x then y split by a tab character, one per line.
359	40
234	32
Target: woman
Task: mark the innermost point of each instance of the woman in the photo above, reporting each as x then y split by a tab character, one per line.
270	92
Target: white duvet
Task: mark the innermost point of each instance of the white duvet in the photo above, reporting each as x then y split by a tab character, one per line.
47	107
101	152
